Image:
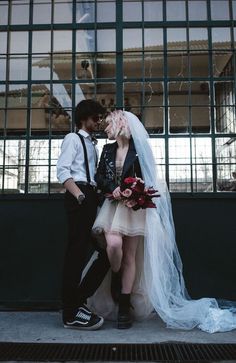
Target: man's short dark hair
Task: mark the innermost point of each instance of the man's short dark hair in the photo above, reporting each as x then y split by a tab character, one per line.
86	109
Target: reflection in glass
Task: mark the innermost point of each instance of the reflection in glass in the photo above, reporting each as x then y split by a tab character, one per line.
133	97
200	93
178	119
197	9
106	40
85	41
153	10
176	38
222	63
18	69
220	10
41	67
3	41
106	11
85	66
132	64
132	38
18	42
179	168
20	12
177	63
226	168
178	93
221	38
63	11
3	12
85	11
106	95
153	39
234	9
105	65
2	69
14	162
62	66
175	10
153	63
225	106
200	119
62	41
42	12
41	41
153	113
132	10
198	38
199	63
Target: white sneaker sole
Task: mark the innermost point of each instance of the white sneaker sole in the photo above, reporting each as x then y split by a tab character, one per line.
94	327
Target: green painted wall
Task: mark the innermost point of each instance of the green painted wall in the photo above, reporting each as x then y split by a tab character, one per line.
33	236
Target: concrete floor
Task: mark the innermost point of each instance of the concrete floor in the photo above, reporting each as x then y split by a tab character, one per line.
47	327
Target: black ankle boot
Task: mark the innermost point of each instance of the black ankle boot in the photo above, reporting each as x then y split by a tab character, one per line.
124	318
116	285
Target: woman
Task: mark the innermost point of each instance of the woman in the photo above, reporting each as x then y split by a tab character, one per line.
158	282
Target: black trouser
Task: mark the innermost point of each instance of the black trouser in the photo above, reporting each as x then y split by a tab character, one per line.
80	221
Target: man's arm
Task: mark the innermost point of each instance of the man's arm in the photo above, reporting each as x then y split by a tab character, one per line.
68	153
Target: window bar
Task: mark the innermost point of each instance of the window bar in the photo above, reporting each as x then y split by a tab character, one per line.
165	90
51	95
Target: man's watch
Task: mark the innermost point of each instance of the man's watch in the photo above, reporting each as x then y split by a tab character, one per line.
80	198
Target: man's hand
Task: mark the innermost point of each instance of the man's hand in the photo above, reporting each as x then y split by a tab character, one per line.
116	193
73	188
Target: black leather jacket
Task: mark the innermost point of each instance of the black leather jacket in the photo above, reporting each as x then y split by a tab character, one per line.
106	172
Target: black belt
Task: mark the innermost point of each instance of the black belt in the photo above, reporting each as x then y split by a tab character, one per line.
86	183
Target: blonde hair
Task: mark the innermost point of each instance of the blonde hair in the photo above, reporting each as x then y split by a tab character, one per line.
119	123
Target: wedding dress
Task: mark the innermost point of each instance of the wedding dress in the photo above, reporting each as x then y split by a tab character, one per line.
159	283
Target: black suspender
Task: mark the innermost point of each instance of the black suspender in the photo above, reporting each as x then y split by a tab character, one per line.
85	158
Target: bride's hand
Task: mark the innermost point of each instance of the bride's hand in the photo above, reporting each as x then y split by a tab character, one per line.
116	193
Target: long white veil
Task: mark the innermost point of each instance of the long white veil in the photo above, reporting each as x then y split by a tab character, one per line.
162	263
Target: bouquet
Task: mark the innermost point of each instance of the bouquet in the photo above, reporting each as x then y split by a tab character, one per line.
135	195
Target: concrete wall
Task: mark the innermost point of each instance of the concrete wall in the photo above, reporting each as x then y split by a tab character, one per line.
33	235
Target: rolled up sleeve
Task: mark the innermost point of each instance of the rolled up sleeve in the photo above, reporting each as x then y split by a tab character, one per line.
69	149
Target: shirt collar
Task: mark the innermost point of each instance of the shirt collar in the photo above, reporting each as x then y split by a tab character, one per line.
85	134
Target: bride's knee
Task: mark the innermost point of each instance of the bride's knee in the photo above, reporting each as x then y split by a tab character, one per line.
114	243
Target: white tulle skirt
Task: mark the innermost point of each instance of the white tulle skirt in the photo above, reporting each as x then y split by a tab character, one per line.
116	217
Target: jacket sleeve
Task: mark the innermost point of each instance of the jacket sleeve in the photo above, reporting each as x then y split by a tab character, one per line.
103	183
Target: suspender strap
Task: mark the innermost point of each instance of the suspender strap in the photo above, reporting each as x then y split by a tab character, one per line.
85	158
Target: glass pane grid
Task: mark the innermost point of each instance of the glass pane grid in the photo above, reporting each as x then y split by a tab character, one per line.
178	78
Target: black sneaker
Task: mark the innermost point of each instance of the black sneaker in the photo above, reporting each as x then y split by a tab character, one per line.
84	321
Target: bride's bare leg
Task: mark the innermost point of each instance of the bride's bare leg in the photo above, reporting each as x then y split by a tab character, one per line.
114	250
128	263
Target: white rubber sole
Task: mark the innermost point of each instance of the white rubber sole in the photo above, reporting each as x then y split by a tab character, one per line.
94	327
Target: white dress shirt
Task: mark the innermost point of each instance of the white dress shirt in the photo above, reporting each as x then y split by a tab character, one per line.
71	163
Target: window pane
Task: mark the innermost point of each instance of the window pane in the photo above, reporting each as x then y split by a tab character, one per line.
42	12
132	38
221	38
106	40
2	68
175	10
41	41
62	41
18	69
14	163
19	42
176	38
197	10
55	186
20	12
85	12
3	42
220	10
3	12
106	11
85	41
63	11
132	10
41	67
153	39
226	168
153	10
38	170
153	114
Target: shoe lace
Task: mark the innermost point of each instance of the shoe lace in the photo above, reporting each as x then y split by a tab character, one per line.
82	315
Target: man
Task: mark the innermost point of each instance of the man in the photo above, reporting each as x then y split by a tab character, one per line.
76	169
